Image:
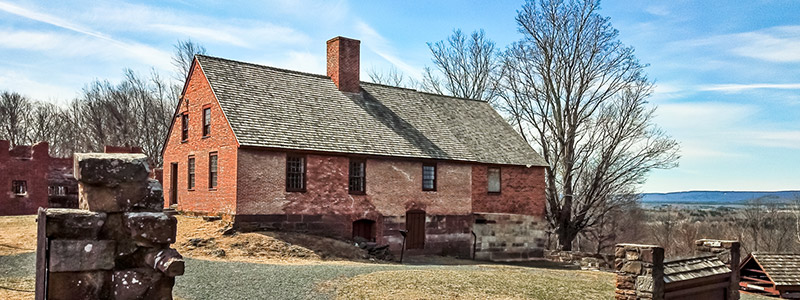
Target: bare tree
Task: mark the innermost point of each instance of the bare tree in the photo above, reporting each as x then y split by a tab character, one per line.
15	111
465	67
392	77
182	58
578	94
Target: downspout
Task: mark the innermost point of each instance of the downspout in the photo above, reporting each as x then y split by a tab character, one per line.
474	244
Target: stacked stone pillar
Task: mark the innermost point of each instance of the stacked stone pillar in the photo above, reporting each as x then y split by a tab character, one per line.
640	272
116	246
729	253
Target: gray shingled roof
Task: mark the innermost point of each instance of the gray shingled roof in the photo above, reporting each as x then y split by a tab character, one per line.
782	268
695	267
270	107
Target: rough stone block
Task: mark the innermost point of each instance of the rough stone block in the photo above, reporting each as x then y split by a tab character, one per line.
63	223
161	289
168	261
81	255
632	255
625	282
115	229
619	251
632	267
110	169
79	285
644	284
149	228
133	284
123	197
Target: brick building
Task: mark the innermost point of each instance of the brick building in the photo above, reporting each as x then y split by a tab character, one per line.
31	179
331	155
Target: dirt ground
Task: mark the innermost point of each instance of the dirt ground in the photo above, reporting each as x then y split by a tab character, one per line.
17	234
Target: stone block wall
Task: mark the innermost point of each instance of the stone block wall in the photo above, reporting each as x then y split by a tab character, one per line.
117	245
508	237
640	272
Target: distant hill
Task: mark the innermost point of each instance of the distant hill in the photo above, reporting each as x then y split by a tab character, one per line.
717	197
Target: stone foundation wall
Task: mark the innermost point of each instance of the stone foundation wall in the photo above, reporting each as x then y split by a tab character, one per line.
508	237
117	245
640	272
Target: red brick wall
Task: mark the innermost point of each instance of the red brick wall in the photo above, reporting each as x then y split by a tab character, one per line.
33	169
343	63
522	191
221	140
394	186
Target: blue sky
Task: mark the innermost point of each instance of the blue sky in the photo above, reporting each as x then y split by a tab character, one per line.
727	72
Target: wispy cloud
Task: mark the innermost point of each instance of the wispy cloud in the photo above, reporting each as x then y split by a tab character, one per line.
775	44
139	51
658	10
733	88
375	42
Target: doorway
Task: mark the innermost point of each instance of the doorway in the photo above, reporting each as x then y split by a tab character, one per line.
173	191
364	229
415	225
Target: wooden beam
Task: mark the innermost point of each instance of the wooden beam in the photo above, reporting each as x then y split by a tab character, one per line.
764	289
754	270
696	290
758	280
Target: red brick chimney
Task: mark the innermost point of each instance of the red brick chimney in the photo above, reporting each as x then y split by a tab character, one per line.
343	63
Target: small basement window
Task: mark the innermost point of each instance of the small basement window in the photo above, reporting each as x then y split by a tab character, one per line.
428	177
295	173
493	178
19	187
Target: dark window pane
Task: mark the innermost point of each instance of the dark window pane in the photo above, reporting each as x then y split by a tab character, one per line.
19	187
212	171
494	180
357	176
190	178
185	127
429	177
206	121
295	174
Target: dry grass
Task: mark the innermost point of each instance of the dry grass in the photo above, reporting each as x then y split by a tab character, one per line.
17	234
487	282
261	247
17	287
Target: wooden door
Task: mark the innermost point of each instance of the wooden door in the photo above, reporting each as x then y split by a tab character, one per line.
173	191
415	225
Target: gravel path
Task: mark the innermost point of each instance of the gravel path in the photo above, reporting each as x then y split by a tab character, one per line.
236	280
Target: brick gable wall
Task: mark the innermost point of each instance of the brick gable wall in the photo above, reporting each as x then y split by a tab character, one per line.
522	191
221	140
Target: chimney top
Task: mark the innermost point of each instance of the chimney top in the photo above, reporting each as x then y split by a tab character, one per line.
343	63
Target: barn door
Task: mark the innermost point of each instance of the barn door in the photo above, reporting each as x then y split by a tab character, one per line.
173	191
415	225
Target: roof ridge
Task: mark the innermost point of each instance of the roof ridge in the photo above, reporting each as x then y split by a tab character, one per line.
264	66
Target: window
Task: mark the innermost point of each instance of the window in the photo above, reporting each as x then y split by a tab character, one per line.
295	173
357	176
206	121
212	170
57	190
493	177
190	177
19	187
428	177
185	127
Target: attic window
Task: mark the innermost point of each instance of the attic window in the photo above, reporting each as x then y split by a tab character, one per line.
493	178
429	177
19	187
206	121
295	173
185	127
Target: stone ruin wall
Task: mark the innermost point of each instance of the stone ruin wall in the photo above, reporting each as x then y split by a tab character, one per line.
116	246
508	237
